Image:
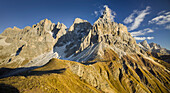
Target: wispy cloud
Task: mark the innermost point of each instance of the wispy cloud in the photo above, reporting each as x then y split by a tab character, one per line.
141	32
96	13
167	13
101	11
130	18
150	38
143	38
136	21
167	27
137	34
161	19
161	12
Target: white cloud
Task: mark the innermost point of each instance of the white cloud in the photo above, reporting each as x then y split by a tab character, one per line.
141	32
161	12
167	27
130	18
143	38
136	21
161	19
150	38
167	13
96	13
114	13
136	34
101	11
140	38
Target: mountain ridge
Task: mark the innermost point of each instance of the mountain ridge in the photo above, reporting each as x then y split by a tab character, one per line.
102	57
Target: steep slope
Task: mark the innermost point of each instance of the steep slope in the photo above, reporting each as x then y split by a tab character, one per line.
51	78
157	48
154	48
84	42
157	51
144	45
20	46
108	59
130	75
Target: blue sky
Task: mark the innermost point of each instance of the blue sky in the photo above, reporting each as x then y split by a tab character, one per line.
145	19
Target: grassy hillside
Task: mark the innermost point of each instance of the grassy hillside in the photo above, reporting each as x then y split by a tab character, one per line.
127	75
53	77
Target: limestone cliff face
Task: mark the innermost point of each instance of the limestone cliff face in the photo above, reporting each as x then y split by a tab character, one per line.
30	42
108	59
157	48
114	34
83	42
153	47
73	41
144	44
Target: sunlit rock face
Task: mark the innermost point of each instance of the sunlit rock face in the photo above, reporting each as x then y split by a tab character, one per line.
102	57
31	42
84	42
81	42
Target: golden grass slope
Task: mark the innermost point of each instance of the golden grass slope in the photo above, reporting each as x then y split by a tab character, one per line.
131	74
65	82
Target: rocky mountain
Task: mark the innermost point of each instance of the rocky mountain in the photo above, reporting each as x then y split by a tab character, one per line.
84	42
153	47
156	50
144	45
102	57
31	44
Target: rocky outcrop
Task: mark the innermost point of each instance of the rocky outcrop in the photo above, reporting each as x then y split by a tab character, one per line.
84	39
76	24
154	48
108	59
157	48
31	42
59	31
73	41
144	45
157	51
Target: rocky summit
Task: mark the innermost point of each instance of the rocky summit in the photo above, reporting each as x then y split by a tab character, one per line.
103	57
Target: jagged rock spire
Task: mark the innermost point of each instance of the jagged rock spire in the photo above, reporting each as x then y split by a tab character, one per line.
107	16
60	26
107	13
145	45
79	24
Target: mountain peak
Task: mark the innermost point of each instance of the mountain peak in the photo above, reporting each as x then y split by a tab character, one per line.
78	21
105	49
45	21
16	28
154	45
145	45
107	13
61	26
107	16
